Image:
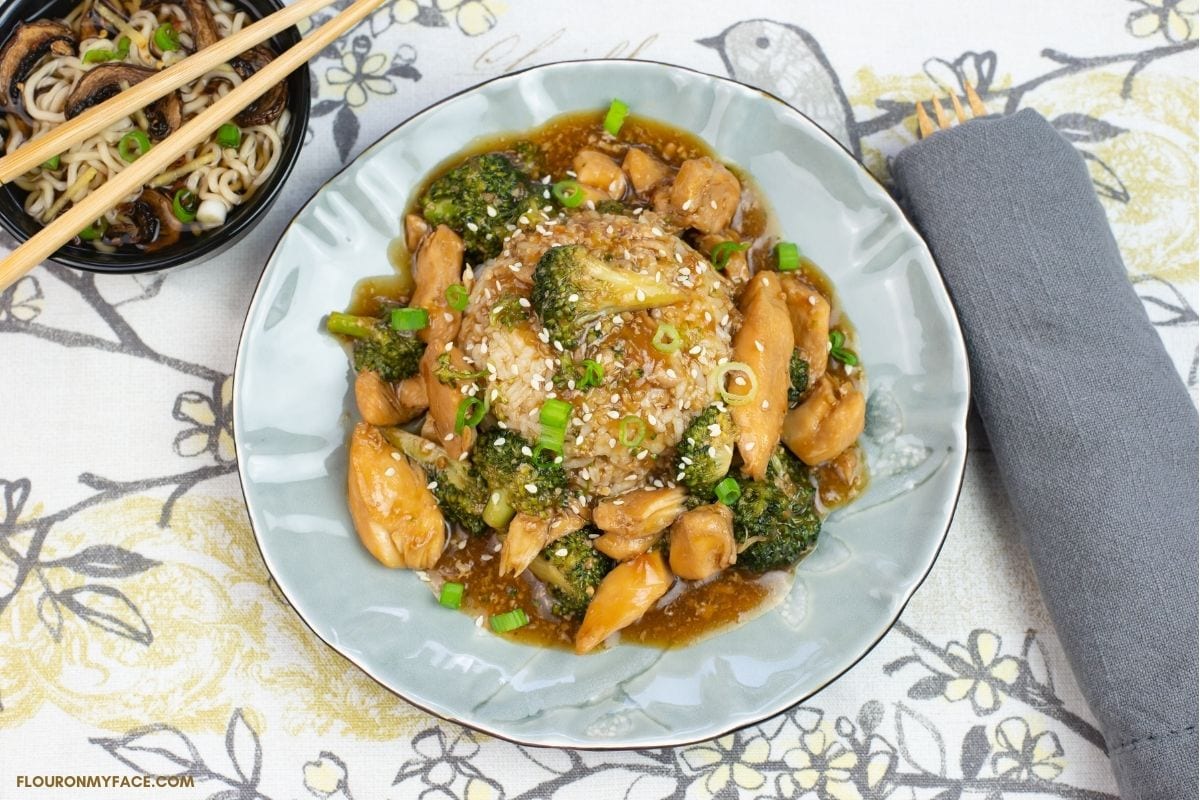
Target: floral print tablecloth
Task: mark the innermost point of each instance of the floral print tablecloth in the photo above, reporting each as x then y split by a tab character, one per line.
141	635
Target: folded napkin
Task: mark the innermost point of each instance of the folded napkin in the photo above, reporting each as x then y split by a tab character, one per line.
1093	431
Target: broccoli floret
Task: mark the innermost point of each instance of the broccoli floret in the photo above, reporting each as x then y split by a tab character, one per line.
774	519
798	378
479	199
516	479
611	207
450	375
705	451
458	488
572	287
377	346
571	568
507	311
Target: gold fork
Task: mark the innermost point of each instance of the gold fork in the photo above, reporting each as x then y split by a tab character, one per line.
928	127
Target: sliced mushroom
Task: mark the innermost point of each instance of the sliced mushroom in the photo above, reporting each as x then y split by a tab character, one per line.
164	115
152	224
204	27
24	49
267	108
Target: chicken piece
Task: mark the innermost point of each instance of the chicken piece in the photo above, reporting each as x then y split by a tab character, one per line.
764	343
376	400
645	171
633	521
702	542
528	535
411	398
437	265
394	513
809	311
737	266
444	400
828	421
595	169
705	194
415	228
622	598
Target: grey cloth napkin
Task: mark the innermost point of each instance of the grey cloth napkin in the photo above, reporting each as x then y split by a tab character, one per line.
1093	431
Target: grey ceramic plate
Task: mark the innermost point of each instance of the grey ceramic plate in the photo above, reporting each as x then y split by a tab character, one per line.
293	404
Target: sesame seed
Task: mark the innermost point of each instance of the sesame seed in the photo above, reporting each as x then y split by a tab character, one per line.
525	451
749	446
431	485
712	452
656	231
765	405
758	345
614	414
531	488
395	456
712	203
812	299
641	296
523	302
686	204
695	351
612	442
491	212
472	227
422	576
572	298
390	471
642	454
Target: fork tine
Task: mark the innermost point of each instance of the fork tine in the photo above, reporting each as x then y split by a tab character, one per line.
943	121
924	124
977	106
958	109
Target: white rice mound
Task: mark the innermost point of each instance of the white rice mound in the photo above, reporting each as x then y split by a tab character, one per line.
664	390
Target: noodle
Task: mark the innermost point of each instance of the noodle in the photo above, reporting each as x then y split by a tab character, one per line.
229	176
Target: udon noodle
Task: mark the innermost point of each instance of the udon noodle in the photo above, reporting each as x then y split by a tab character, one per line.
200	188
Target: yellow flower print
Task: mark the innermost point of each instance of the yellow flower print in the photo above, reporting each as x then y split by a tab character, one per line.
326	776
824	764
1175	19
1022	755
360	74
212	421
727	763
982	673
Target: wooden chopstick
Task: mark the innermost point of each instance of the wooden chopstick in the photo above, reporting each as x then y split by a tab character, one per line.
140	95
161	155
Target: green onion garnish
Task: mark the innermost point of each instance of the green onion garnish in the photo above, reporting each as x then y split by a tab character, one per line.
457	296
166	38
840	353
555	413
722	252
615	117
99	55
787	256
94	231
716	383
569	193
52	163
229	135
728	491
509	621
631	431
451	595
410	319
133	145
666	338
184	205
593	374
471	411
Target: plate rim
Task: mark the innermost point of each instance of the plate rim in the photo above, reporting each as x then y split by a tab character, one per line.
667	741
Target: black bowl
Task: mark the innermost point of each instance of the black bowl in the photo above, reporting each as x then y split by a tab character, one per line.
189	248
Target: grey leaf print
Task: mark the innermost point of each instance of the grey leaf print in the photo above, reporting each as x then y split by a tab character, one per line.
1084	128
919	741
107	608
975	748
244	749
155	750
104	561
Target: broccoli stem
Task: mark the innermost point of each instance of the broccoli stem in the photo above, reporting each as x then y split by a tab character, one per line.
498	512
351	325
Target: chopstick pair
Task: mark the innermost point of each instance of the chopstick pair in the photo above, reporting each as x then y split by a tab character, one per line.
83	213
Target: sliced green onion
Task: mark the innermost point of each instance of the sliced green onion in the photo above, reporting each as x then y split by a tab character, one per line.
52	163
457	296
569	193
666	338
787	256
133	145
498	512
166	38
716	383
555	413
471	411
99	55
451	595
509	621
631	431
410	319
722	252
840	353
615	117
728	491
593	374
184	205
94	231
229	135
